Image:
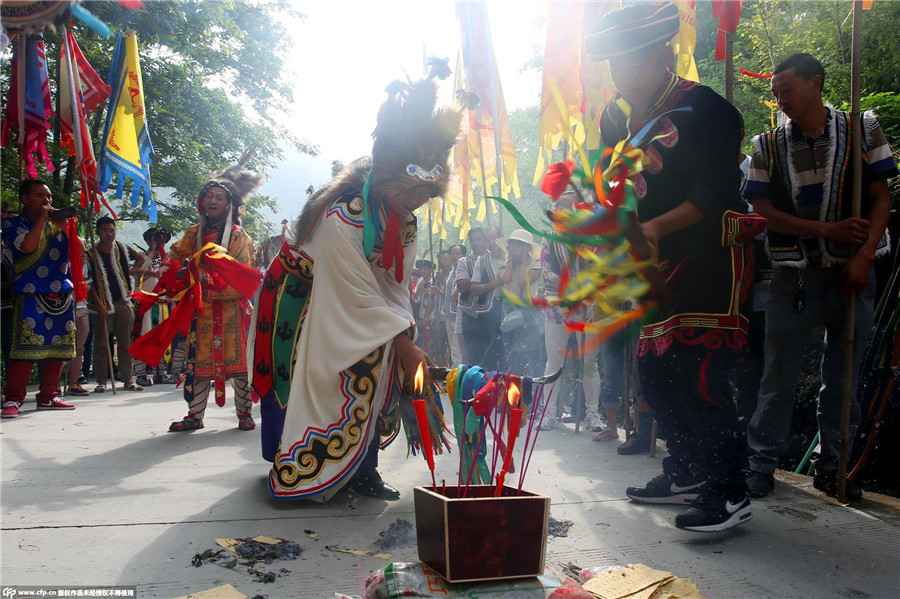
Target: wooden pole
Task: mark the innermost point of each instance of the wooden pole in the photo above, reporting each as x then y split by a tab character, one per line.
626	384
495	118
729	67
484	191
849	326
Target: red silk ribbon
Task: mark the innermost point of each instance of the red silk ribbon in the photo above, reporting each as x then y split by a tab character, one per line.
392	252
223	271
75	260
752	74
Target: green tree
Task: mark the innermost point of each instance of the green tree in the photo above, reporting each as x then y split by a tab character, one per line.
214	87
772	30
525	125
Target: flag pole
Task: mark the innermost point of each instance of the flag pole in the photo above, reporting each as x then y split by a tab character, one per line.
76	133
21	90
729	66
856	158
484	191
492	65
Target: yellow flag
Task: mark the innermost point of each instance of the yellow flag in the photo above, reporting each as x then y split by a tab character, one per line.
685	40
584	85
126	146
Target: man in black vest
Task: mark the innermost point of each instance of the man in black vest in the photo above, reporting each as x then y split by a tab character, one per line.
112	305
800	180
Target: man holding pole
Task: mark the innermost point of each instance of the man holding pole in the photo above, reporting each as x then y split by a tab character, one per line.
112	303
800	181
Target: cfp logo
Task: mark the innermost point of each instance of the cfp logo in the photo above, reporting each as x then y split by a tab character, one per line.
9	592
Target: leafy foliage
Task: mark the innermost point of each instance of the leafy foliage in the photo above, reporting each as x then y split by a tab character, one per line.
214	88
772	30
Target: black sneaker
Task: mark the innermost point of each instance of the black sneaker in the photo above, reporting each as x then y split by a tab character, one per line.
634	445
760	484
663	489
714	513
827	483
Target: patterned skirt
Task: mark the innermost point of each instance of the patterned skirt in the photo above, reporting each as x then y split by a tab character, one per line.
43	327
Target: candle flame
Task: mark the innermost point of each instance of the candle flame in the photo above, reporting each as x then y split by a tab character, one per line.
419	381
513	395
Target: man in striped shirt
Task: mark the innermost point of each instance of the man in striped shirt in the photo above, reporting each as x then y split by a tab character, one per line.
800	180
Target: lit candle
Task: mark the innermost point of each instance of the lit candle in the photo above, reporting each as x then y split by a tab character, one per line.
422	419
515	418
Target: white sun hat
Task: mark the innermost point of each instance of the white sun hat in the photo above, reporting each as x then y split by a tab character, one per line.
525	237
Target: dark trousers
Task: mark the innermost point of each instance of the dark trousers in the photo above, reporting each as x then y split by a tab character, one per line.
484	342
689	389
370	462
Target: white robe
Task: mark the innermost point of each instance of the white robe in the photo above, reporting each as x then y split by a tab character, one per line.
355	310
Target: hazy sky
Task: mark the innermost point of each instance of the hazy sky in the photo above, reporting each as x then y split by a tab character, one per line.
347	51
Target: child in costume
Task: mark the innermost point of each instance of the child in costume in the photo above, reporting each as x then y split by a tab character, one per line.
210	272
334	328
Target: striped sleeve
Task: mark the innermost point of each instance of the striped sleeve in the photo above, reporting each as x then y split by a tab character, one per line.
758	184
880	162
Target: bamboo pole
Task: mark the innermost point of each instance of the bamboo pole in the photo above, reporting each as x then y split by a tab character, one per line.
495	114
99	279
729	67
626	384
484	191
856	157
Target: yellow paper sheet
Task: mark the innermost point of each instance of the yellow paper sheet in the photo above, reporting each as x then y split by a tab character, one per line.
228	544
678	588
226	591
267	540
622	582
650	591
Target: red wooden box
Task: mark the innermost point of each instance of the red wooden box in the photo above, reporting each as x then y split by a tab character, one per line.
481	537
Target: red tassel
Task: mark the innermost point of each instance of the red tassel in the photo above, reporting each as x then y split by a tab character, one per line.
702	387
563	281
75	260
392	249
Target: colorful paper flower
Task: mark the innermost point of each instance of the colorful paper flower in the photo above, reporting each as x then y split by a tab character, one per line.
557	178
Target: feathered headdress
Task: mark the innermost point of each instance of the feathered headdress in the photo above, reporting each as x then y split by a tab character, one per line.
412	141
239	184
411	148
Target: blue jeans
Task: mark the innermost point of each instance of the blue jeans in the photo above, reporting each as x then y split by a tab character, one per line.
484	342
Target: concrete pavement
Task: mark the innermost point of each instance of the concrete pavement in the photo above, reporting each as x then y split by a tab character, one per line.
102	495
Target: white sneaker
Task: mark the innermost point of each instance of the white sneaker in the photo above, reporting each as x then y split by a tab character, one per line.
593	422
548	424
